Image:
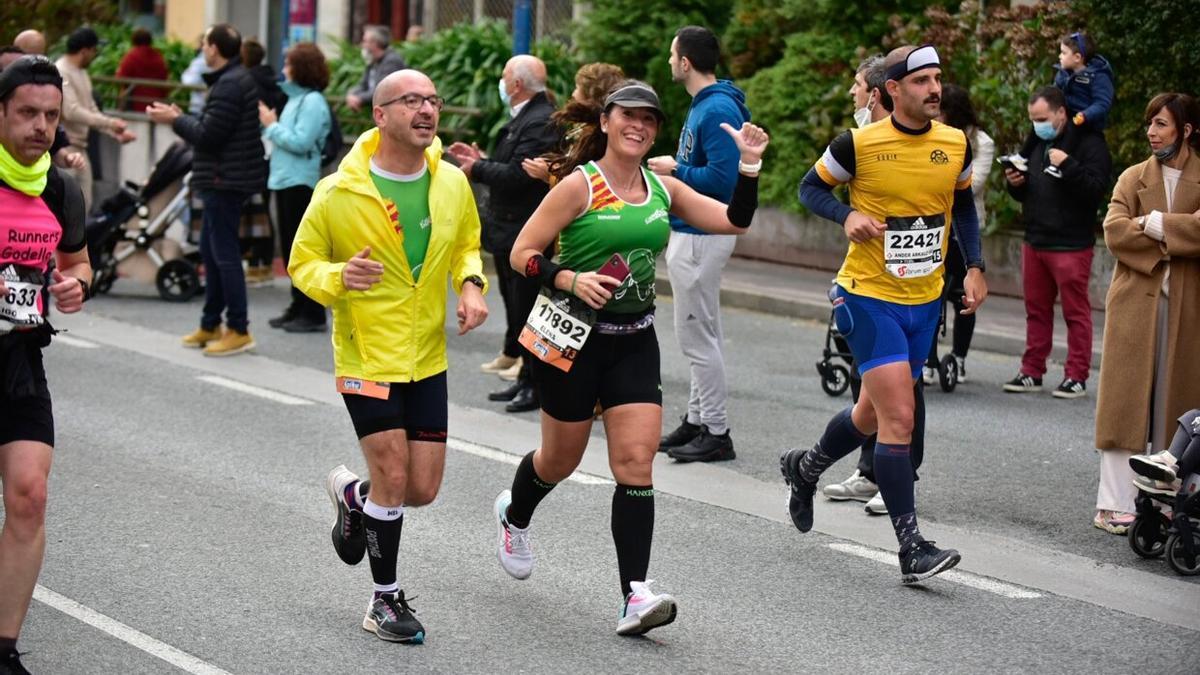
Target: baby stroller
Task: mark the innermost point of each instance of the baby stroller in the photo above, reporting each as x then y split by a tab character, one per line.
1154	533
835	377
158	204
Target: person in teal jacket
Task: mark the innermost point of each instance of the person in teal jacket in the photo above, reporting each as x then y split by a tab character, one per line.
297	137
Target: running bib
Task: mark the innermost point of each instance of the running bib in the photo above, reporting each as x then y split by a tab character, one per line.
352	385
21	304
912	246
557	329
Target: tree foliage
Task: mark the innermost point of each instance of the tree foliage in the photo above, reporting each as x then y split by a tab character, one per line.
55	18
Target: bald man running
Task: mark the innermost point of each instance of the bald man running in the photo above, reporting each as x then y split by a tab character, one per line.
364	248
514	196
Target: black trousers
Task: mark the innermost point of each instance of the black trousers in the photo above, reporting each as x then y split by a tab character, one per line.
866	458
519	295
290	204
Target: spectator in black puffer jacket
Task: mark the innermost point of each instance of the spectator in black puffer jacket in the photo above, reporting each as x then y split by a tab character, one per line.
227	167
257	227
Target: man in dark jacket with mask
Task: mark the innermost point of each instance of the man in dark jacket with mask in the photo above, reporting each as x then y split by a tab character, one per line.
513	197
1067	174
228	166
707	161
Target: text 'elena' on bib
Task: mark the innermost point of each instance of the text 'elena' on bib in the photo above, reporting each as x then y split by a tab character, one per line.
556	330
912	246
21	303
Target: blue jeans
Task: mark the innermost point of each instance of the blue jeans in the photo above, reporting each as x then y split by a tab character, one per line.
221	251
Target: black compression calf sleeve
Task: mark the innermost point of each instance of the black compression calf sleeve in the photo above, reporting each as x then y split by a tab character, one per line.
744	202
632	531
527	492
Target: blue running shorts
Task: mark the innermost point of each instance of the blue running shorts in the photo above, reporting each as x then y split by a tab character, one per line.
881	332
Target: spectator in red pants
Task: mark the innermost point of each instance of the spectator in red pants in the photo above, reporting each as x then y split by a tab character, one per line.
1067	174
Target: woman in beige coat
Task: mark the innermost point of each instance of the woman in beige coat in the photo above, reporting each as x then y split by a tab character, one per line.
1150	370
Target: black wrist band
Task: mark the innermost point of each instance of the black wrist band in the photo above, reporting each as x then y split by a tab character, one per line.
543	269
85	287
474	279
744	202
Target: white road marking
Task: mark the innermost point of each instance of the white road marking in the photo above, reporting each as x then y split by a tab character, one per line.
260	392
74	342
957	576
179	659
500	456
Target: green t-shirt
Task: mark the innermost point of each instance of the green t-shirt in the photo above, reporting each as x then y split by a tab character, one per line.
407	202
639	232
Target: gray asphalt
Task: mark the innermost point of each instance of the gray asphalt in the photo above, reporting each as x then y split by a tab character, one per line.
195	515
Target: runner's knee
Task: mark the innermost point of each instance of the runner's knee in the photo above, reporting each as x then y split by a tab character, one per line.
25	501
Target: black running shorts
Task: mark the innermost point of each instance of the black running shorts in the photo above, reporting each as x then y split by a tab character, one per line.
420	408
612	369
25	411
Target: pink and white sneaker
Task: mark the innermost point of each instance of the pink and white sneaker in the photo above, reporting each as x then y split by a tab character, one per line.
513	547
644	609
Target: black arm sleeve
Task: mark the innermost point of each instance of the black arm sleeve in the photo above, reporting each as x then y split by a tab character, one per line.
817	196
744	202
965	221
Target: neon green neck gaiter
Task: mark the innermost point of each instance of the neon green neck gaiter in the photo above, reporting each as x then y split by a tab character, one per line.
28	179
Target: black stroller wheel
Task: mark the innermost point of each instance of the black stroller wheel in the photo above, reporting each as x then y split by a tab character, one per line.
1177	556
948	373
177	281
835	380
1148	535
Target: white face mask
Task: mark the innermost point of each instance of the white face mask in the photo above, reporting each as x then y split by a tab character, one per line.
366	54
862	116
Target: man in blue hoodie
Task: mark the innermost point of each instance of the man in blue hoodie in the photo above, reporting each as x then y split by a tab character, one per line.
707	161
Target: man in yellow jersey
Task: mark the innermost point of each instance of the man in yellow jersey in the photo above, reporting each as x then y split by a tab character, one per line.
377	244
909	177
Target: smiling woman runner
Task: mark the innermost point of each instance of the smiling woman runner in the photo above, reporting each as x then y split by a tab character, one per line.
593	328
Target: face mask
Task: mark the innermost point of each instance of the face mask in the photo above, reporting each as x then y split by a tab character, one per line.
1045	130
1167	152
366	54
504	97
862	116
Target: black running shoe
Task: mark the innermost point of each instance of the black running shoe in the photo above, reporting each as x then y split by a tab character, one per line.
679	436
925	560
10	663
706	447
391	618
349	535
800	501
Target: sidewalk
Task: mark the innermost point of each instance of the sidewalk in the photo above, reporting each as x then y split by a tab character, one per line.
800	293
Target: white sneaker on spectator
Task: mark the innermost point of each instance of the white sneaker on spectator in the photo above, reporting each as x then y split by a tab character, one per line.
929	375
1159	466
876	507
855	487
1158	487
962	368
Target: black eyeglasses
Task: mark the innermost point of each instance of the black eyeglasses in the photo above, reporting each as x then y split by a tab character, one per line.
415	101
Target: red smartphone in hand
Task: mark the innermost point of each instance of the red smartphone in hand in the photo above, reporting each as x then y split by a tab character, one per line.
615	267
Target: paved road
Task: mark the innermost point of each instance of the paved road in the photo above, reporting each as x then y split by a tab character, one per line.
188	527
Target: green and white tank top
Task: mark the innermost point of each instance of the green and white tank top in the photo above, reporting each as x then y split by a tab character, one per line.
609	225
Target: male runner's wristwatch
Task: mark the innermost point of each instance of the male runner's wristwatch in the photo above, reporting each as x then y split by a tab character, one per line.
474	279
83	285
977	265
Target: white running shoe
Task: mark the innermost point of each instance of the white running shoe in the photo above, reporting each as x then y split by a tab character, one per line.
644	609
930	375
962	368
876	507
513	547
855	487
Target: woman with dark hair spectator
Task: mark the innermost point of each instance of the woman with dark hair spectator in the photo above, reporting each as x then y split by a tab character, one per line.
958	112
144	62
1149	378
593	81
297	135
